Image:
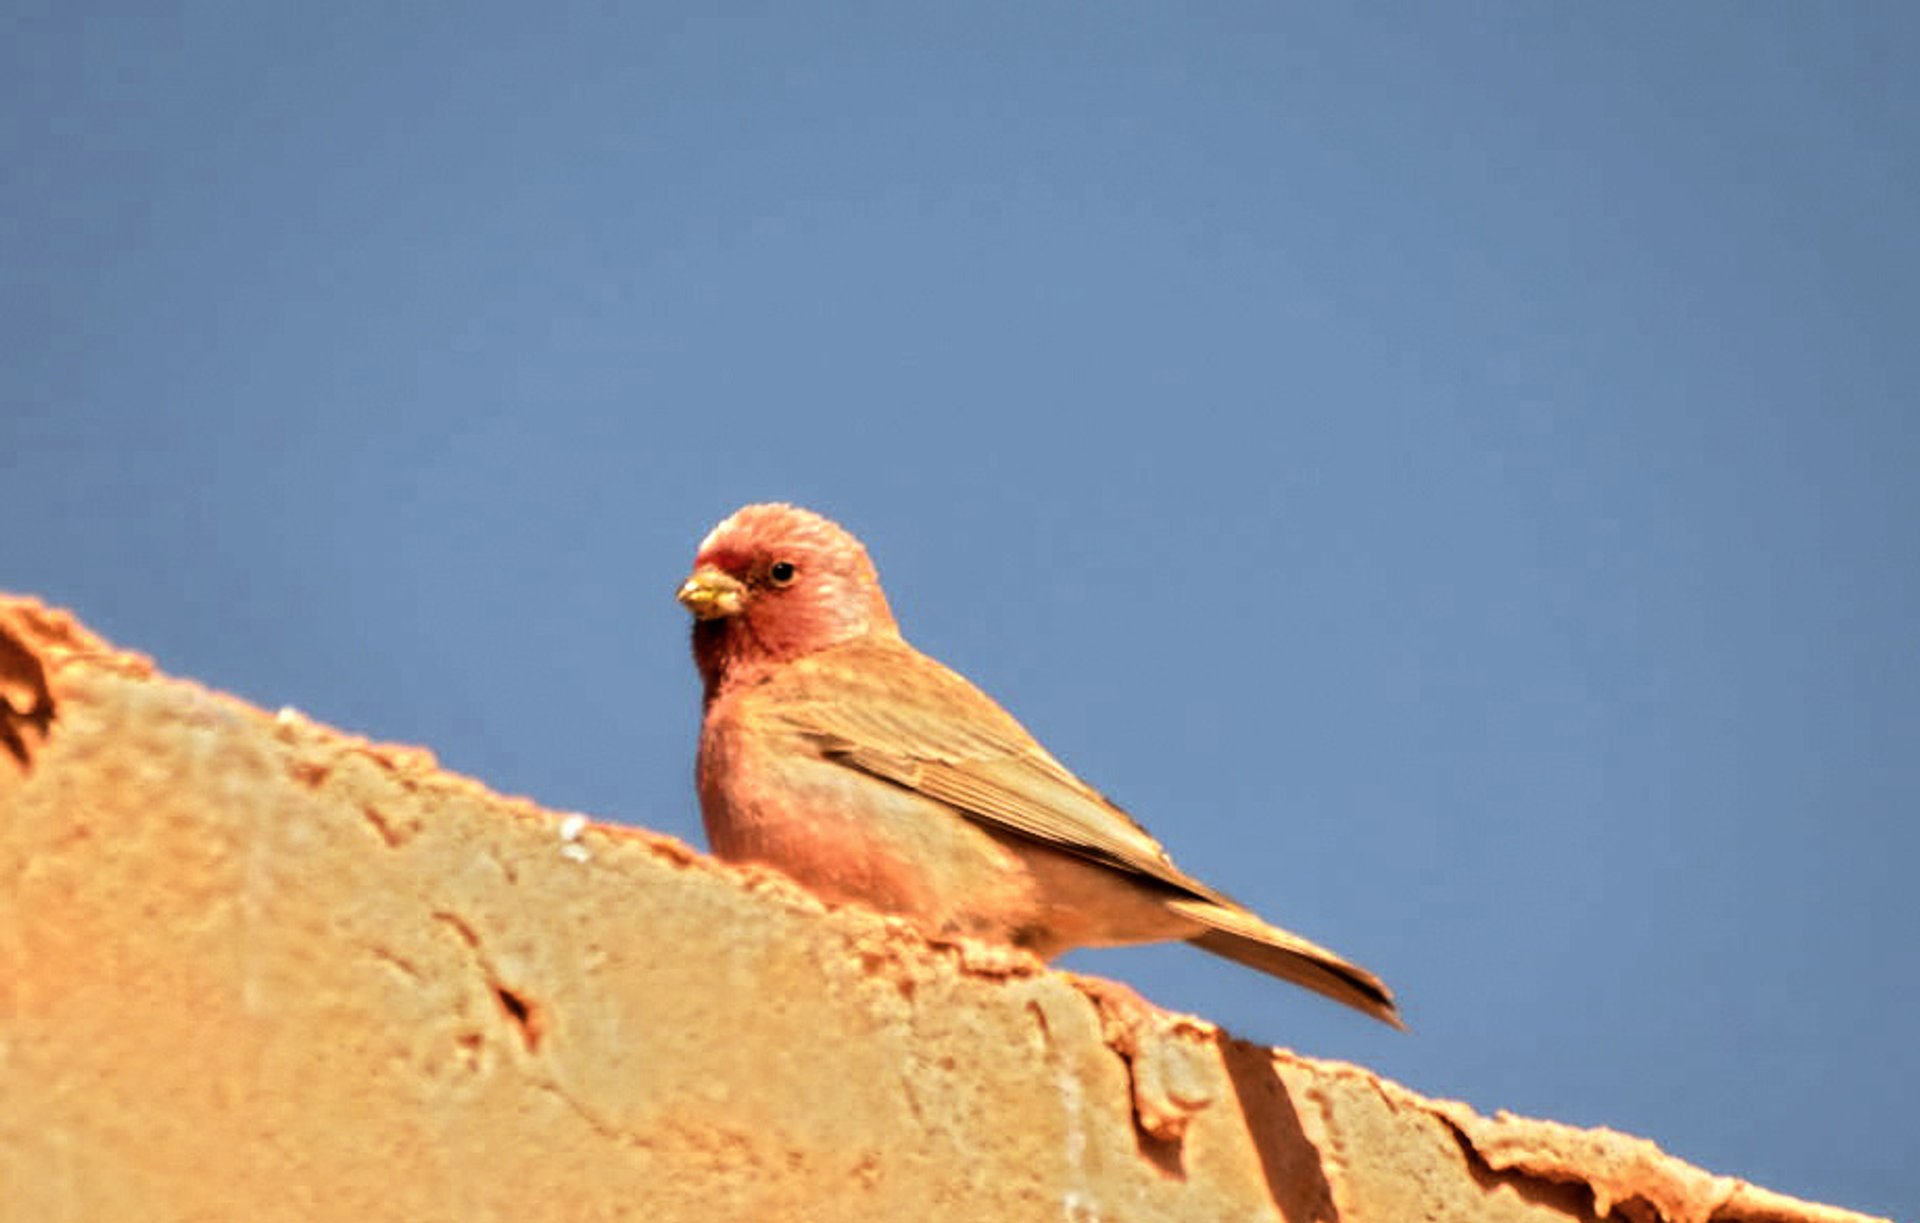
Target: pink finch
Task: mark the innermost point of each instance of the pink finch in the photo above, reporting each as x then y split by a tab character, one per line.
837	753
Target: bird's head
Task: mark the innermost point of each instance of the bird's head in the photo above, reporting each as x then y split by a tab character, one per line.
776	582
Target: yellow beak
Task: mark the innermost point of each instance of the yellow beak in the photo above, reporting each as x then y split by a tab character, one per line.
710	594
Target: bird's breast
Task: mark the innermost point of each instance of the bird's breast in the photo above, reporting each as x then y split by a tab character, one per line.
770	796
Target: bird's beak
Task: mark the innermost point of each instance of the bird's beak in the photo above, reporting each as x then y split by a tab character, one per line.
710	594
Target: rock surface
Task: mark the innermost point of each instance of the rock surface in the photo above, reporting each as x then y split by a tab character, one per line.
251	967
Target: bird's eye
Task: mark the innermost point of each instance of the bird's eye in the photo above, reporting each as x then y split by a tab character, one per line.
782	573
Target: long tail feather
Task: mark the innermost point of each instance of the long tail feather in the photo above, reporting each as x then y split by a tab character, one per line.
1240	936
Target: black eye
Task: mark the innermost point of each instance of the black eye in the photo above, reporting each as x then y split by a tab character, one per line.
781	573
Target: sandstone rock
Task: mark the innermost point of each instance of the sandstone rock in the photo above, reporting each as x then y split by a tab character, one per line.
253	968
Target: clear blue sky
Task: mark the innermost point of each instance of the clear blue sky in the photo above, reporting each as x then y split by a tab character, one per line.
1450	470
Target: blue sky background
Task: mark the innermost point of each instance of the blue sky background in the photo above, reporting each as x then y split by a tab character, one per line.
1450	470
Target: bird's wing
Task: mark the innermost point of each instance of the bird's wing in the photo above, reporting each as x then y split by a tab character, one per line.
905	719
894	714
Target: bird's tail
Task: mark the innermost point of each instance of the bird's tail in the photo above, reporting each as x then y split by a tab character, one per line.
1240	936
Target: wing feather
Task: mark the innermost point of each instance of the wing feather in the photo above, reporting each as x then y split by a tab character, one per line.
906	720
936	734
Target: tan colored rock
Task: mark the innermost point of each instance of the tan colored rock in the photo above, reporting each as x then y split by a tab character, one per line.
252	968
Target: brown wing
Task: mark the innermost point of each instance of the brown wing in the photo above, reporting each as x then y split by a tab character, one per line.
893	713
889	711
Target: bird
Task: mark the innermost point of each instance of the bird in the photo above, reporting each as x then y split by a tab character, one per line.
836	753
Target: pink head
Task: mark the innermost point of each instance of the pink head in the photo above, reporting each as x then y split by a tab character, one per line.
775	582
